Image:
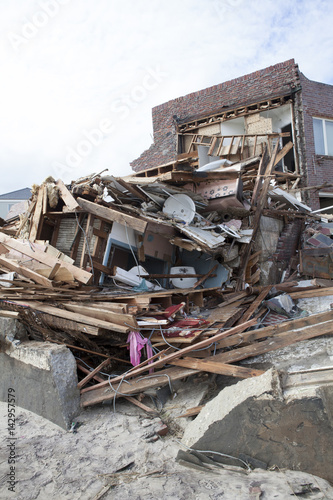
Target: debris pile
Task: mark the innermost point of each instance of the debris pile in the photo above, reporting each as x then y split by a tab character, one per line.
174	270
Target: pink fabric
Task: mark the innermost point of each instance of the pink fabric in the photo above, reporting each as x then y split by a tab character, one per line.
136	343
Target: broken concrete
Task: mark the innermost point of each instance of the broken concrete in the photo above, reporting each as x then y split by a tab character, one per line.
43	376
253	419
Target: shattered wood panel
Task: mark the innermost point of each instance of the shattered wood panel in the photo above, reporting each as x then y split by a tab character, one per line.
317	264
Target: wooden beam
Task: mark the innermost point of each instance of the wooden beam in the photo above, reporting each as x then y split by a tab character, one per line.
283	152
201	280
136	386
318	292
278	341
12	265
37	214
91	374
66	196
79	318
270	331
168	358
111	215
103	314
216	367
256	303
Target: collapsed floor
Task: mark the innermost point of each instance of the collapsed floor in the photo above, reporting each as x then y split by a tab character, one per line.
186	270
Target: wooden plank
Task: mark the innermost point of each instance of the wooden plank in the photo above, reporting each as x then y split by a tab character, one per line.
86	240
67	324
166	359
283	152
37	215
270	331
136	386
110	306
138	403
12	265
111	215
318	292
9	314
278	341
192	412
132	189
201	280
105	315
45	258
256	303
209	365
212	146
45	199
91	374
99	267
260	201
79	318
54	270
100	233
235	298
66	196
26	216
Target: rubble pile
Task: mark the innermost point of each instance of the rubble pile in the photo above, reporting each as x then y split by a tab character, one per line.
158	275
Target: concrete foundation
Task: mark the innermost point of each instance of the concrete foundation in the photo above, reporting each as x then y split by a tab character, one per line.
43	375
253	418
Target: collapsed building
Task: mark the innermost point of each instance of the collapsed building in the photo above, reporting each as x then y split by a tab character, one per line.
197	262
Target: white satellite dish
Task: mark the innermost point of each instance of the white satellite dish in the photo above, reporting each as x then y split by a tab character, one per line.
180	207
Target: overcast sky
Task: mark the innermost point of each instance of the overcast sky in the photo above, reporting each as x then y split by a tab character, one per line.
79	77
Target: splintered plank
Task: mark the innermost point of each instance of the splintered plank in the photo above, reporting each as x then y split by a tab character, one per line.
46	258
278	341
91	374
283	152
68	325
103	314
138	385
12	265
319	292
209	365
263	294
111	215
79	318
270	331
37	214
166	359
66	196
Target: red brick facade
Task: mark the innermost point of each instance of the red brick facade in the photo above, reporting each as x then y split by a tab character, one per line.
317	101
283	79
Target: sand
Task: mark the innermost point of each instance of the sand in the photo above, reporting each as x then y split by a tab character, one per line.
54	464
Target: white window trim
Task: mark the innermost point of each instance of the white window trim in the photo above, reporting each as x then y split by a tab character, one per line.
324	132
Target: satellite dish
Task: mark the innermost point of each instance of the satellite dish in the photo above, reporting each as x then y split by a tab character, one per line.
180	207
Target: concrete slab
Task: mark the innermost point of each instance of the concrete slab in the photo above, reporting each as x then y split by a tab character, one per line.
252	418
42	377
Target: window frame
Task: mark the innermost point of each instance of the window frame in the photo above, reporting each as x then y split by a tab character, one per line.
323	123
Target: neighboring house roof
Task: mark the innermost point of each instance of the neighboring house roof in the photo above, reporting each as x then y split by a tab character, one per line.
20	194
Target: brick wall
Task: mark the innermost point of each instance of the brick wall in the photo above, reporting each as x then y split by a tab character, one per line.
317	100
278	80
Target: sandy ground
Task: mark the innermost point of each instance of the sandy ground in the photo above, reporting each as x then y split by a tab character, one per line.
53	464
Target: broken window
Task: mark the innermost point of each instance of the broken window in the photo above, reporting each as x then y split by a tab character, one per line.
323	136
